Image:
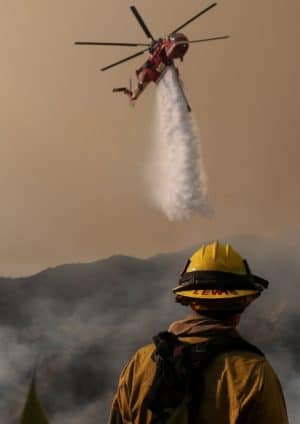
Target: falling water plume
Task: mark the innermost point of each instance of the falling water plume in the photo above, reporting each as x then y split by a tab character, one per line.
179	182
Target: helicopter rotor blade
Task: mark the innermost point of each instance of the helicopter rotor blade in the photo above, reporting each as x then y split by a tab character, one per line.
194	17
221	37
141	22
124	60
96	43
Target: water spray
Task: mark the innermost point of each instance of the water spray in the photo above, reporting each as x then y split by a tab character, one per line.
178	178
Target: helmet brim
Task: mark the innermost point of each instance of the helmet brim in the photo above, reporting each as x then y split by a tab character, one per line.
215	294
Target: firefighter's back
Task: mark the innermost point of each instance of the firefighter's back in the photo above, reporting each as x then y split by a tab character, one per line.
239	387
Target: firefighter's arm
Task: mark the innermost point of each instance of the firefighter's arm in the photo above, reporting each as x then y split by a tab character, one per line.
268	404
120	410
115	415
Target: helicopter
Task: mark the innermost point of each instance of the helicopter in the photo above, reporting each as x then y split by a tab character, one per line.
162	53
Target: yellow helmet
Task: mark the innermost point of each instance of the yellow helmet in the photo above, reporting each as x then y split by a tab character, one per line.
217	277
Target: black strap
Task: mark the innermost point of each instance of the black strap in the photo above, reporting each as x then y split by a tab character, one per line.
166	390
219	280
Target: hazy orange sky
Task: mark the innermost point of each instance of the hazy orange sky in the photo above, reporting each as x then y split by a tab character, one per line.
73	155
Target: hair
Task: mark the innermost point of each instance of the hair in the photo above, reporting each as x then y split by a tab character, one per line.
218	315
217	307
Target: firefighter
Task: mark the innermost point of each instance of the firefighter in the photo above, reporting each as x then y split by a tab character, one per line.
201	370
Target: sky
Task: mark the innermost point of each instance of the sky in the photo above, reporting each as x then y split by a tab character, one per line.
73	160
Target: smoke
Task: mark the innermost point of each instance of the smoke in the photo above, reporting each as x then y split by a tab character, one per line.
74	325
179	183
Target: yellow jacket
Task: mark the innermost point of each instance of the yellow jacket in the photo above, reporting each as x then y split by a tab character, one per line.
240	388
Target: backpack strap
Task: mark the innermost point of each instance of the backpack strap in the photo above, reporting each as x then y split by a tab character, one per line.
166	391
199	356
225	343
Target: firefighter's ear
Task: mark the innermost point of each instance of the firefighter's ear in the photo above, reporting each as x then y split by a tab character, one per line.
193	305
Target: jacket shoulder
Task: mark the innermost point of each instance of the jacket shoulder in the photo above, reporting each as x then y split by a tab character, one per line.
140	364
145	351
244	367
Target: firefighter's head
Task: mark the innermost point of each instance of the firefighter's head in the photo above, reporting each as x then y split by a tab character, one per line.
217	280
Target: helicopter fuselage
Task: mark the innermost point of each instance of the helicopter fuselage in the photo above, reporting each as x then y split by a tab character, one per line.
162	54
